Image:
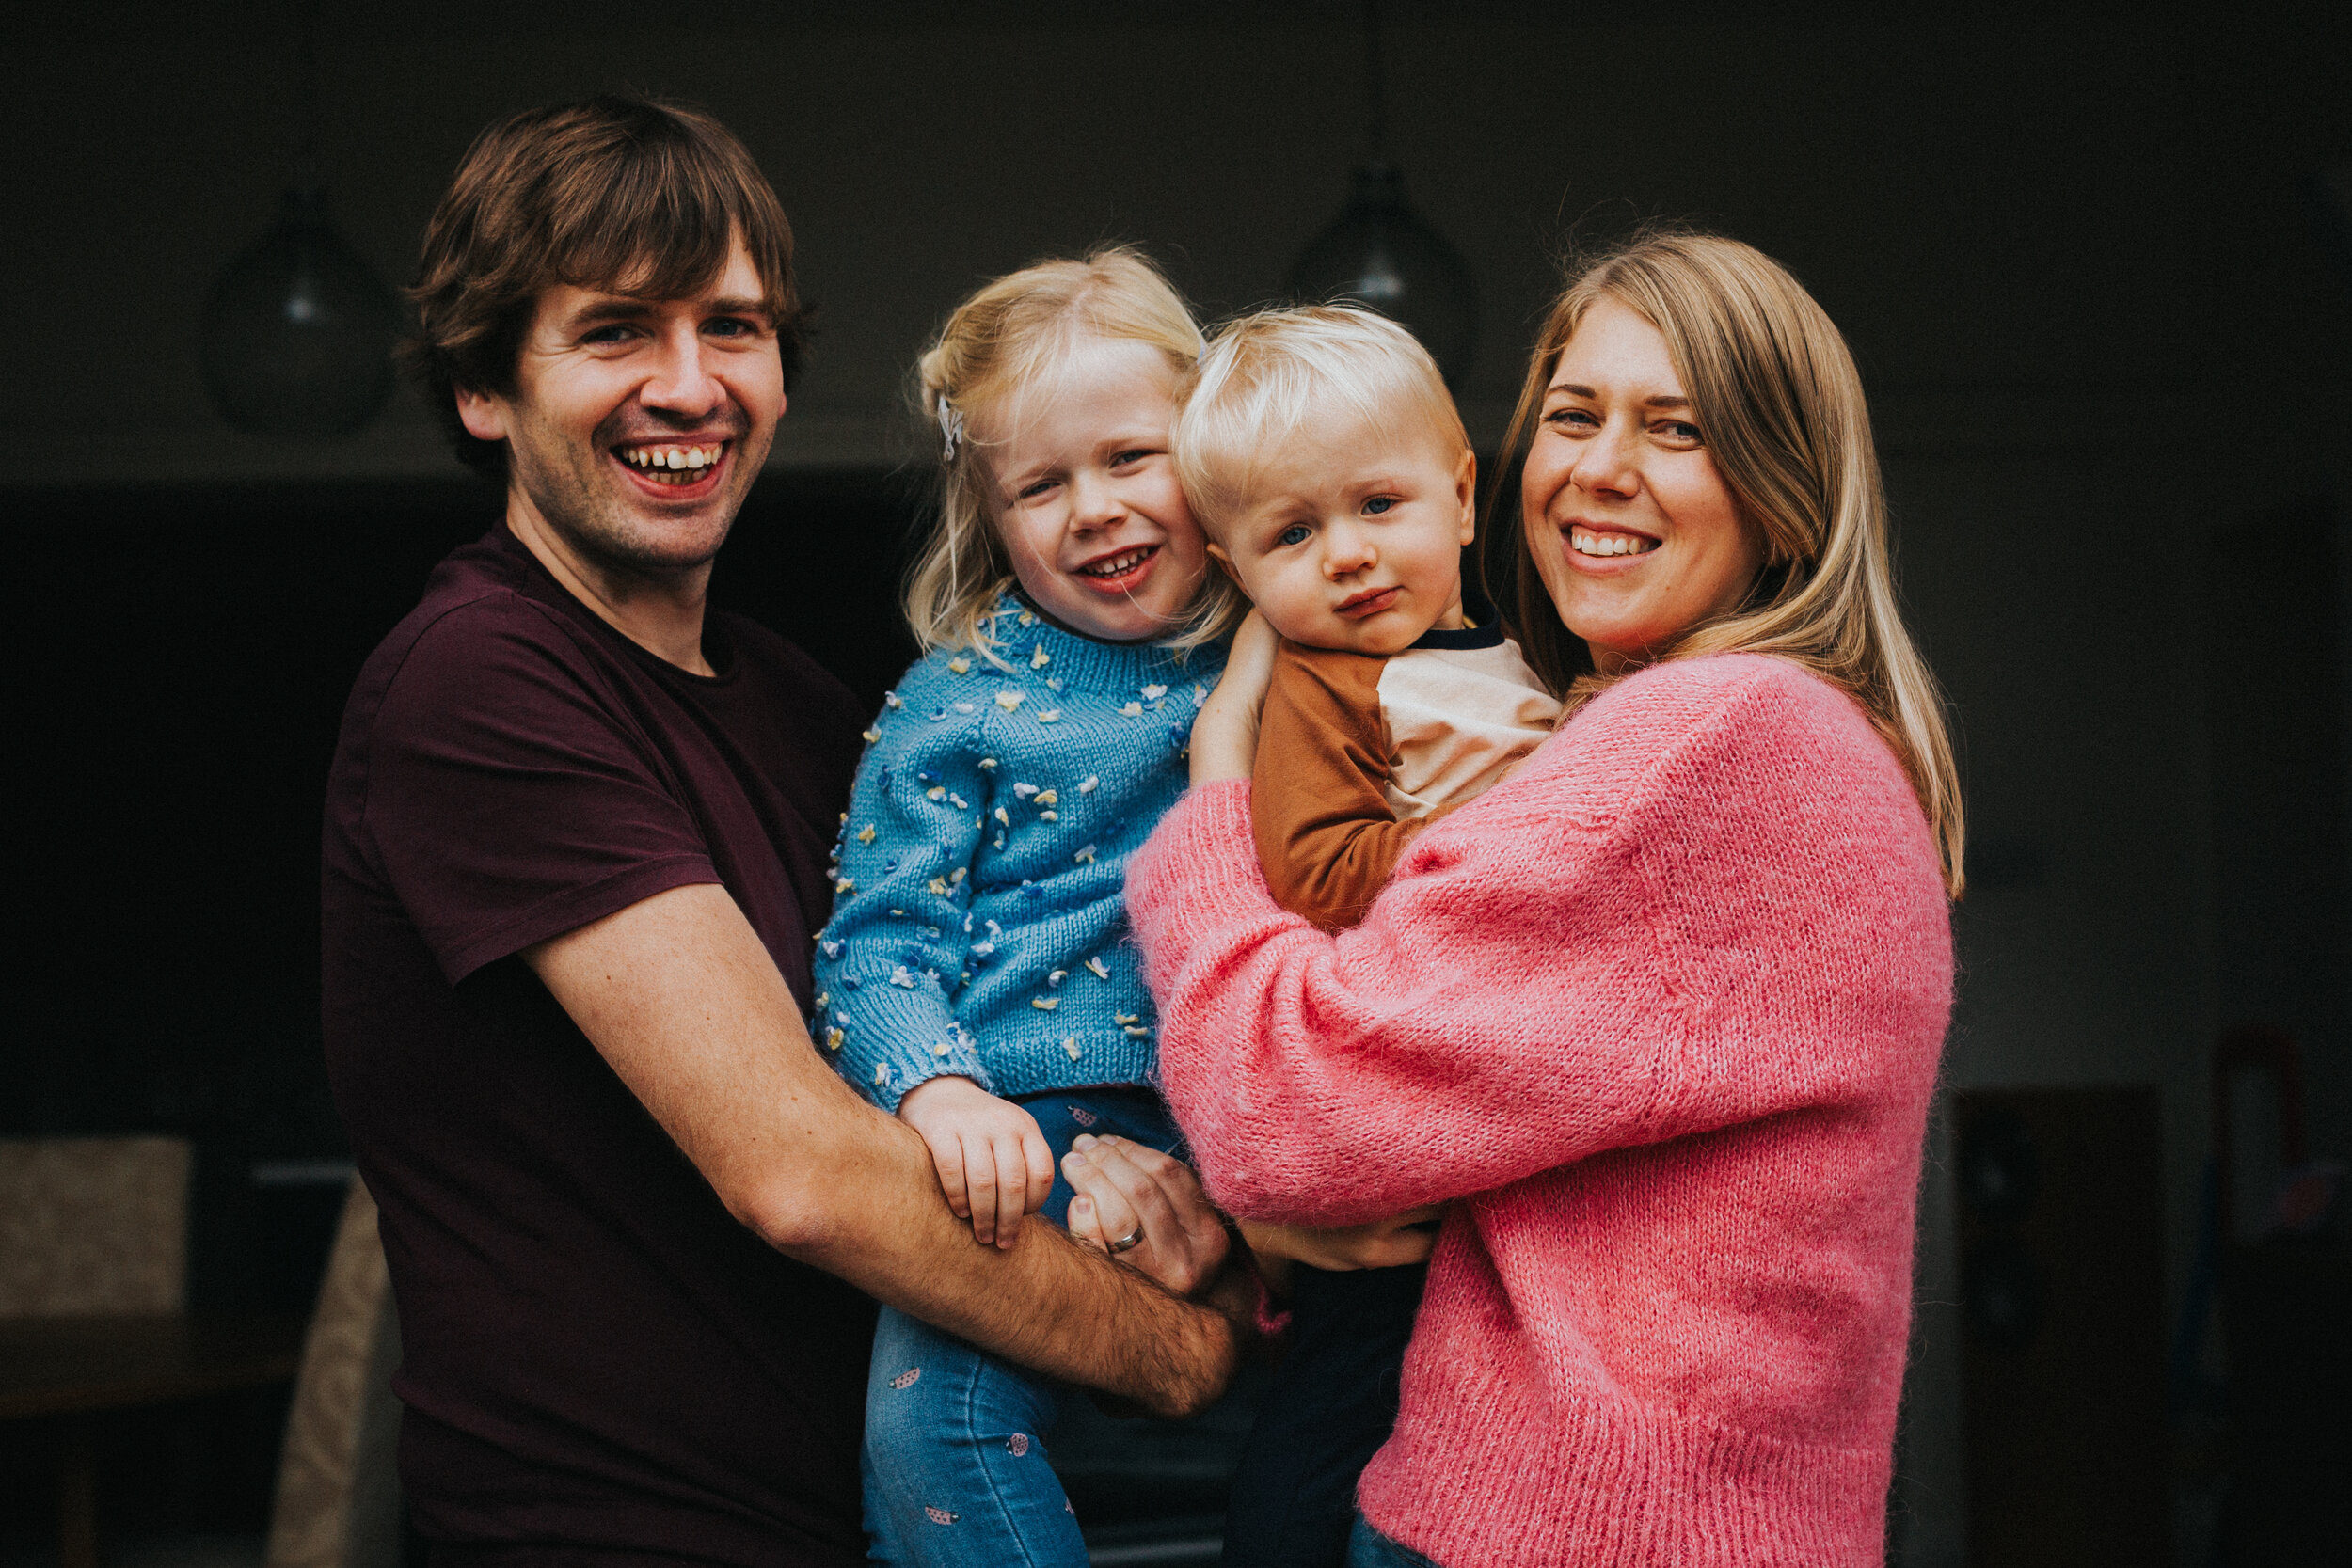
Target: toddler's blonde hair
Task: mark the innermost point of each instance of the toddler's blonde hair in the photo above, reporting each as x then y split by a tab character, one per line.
1005	343
1270	375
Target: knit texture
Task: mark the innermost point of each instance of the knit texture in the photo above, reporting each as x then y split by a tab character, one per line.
1661	1014
979	925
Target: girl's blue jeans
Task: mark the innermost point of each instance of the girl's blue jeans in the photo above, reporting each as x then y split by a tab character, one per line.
955	1462
1368	1548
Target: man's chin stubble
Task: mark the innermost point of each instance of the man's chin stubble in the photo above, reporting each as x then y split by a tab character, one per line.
600	529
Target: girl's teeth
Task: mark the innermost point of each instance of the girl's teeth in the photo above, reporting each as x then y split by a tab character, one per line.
1116	564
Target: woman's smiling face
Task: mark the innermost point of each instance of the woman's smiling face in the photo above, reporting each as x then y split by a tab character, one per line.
1633	529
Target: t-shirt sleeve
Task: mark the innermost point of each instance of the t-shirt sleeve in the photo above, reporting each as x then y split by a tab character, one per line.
1327	837
510	796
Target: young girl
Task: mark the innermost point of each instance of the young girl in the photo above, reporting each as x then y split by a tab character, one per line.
976	978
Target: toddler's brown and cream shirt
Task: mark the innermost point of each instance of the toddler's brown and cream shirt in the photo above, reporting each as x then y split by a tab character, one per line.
1355	753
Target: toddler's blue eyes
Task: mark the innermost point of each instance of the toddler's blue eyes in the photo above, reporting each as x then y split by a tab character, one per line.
1295	535
1380	504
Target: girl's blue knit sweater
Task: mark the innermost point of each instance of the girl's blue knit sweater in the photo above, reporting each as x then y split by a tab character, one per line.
978	924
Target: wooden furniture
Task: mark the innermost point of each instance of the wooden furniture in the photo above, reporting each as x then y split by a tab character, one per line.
92	1225
93	1271
73	1369
62	1366
92	1263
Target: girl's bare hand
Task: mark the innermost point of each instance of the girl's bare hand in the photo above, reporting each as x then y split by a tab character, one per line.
1127	1189
1225	736
994	1163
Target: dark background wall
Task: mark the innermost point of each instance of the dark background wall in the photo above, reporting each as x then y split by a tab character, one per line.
2110	353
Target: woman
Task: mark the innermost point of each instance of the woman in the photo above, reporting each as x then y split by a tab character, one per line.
1659	1015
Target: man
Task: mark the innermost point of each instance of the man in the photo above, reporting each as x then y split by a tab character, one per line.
575	839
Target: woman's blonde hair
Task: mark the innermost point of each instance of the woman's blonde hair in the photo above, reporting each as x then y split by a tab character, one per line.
1273	373
1780	404
1006	341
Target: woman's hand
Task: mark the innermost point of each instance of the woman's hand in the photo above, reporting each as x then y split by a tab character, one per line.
1128	1190
1400	1239
994	1163
1225	736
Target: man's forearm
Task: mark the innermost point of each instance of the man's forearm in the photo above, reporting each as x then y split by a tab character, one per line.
1110	1327
680	996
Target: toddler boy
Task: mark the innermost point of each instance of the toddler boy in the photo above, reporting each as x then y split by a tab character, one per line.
1322	455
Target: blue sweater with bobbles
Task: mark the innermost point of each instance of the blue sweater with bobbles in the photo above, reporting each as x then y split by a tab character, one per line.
979	922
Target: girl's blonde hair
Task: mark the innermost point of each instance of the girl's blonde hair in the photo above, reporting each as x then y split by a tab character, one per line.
1005	342
1780	402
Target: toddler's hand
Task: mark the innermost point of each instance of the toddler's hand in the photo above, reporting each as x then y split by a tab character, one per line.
993	1161
1405	1238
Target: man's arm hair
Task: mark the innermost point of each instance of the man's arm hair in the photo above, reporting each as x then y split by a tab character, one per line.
681	999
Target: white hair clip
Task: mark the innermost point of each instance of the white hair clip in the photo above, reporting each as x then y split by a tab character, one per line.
950	427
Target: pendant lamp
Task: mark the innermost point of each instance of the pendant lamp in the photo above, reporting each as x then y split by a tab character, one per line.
297	331
1379	253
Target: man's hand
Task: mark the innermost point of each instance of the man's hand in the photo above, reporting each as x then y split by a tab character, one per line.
1400	1239
1130	1190
993	1165
1225	734
678	995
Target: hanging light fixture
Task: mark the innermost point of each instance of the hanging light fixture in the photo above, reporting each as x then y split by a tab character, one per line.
297	331
1379	253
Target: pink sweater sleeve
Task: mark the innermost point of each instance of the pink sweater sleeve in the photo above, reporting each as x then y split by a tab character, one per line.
1710	899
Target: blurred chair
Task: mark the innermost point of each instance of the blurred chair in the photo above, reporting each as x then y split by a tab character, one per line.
339	1502
92	1227
93	1232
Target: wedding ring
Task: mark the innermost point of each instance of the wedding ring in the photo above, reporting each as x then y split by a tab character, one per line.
1129	1241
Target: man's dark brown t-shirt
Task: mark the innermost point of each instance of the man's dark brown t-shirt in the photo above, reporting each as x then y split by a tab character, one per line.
598	1363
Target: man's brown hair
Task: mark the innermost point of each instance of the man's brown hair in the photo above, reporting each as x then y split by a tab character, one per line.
619	193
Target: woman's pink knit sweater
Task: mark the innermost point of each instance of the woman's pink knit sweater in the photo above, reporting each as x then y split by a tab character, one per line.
1662	1015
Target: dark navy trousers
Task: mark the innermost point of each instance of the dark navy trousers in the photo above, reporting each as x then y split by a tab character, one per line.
1331	1405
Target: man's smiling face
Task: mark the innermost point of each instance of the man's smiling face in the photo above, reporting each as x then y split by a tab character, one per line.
636	425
